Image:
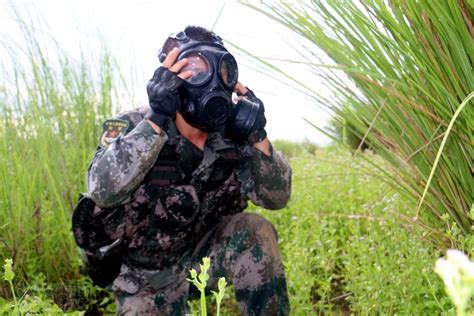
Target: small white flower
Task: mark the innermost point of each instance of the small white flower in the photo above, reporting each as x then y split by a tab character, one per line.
457	272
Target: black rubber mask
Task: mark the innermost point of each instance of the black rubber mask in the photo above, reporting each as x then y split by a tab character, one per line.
206	97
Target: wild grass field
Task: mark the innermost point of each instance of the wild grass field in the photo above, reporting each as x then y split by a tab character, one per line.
344	246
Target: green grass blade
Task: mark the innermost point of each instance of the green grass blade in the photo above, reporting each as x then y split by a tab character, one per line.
441	148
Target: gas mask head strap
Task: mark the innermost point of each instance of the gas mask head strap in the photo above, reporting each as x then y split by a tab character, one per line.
182	40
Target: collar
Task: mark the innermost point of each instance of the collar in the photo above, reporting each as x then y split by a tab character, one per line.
216	146
215	142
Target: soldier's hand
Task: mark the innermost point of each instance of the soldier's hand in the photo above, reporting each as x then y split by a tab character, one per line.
163	87
258	132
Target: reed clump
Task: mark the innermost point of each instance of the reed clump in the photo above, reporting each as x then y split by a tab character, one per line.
401	70
51	106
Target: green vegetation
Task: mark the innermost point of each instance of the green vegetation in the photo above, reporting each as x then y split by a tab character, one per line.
345	245
51	109
199	280
39	303
407	67
347	237
291	149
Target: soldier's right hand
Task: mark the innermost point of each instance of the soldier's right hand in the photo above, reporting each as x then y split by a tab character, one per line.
163	87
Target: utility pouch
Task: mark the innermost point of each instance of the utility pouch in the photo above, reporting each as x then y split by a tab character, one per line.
104	266
99	233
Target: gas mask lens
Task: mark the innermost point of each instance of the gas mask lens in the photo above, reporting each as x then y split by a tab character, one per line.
228	70
200	68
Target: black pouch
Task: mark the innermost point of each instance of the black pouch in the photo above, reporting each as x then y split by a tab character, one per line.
103	250
103	265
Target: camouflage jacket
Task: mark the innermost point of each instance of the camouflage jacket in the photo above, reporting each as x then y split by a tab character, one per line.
170	193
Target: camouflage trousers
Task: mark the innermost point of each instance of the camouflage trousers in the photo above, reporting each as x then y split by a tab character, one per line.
243	249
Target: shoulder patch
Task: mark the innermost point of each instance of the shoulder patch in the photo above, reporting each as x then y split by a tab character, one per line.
112	129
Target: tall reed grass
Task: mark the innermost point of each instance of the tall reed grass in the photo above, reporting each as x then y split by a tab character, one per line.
51	107
408	66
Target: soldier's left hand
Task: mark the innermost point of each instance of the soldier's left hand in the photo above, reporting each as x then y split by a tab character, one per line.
258	132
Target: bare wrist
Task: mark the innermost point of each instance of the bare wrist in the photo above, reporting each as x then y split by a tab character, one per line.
155	127
263	146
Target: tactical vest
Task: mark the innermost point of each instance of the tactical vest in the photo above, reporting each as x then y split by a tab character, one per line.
171	169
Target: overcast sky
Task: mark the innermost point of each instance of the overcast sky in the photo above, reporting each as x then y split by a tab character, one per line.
135	30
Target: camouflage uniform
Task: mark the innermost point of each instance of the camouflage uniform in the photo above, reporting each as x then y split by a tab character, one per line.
178	204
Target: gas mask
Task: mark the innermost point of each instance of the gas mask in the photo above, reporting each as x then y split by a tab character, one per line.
206	97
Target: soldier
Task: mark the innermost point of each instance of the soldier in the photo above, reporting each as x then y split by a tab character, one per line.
171	189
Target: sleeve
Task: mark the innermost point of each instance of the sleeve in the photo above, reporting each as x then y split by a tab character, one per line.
117	170
265	180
